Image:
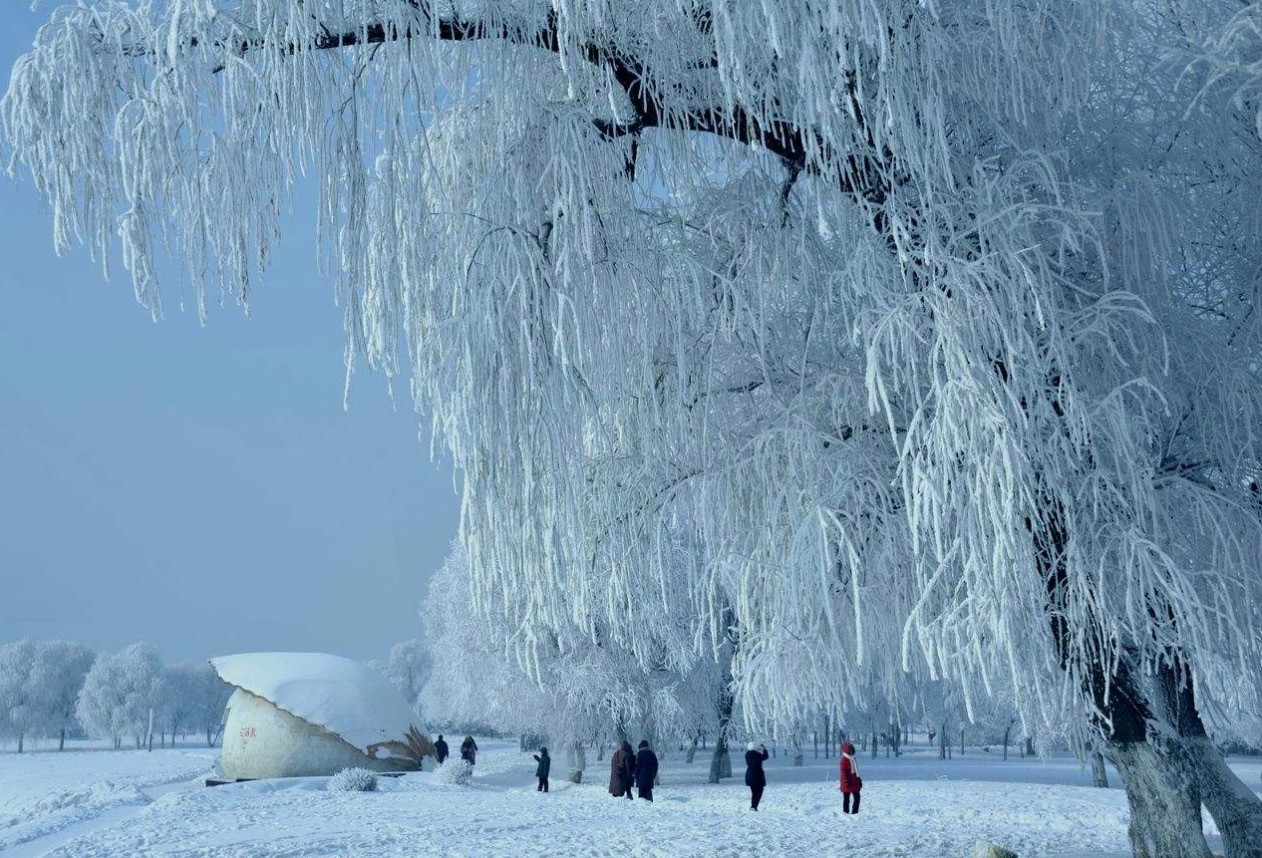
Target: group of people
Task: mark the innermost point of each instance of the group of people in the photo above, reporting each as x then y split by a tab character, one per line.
629	768
468	750
638	769
756	778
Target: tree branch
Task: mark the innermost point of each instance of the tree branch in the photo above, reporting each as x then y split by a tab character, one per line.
864	175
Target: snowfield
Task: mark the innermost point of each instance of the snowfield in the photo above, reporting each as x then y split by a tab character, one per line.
93	804
48	797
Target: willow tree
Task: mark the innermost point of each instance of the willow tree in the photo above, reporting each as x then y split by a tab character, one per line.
932	317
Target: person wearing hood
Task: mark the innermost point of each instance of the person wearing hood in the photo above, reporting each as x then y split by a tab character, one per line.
645	770
851	783
622	771
755	777
469	750
440	749
542	770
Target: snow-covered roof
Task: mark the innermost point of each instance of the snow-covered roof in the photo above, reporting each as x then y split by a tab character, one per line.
345	697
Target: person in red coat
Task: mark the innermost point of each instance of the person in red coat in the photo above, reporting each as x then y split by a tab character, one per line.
851	783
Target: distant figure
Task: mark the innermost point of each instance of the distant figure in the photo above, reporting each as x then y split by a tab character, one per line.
469	750
541	770
851	783
622	771
645	770
440	749
755	777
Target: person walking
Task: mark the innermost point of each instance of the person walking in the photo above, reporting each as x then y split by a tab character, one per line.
469	750
645	770
851	783
541	770
755	777
440	749
622	771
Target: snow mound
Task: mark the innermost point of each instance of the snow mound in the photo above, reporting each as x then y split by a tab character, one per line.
349	699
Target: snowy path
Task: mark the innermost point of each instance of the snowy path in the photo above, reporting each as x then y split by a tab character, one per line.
916	806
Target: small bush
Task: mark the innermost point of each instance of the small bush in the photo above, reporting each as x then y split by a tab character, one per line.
453	772
992	850
353	780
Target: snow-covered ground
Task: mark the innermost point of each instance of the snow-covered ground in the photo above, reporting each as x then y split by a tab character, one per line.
102	803
50	797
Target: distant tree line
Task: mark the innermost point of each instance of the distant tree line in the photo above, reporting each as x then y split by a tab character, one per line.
51	689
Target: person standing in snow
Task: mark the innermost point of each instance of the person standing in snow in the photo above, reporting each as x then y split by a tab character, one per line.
440	749
469	750
645	770
851	783
541	770
622	771
755	777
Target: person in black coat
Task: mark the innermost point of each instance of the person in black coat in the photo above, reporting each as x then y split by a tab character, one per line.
755	777
541	770
440	749
645	770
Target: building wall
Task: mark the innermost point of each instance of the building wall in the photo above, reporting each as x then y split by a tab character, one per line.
262	741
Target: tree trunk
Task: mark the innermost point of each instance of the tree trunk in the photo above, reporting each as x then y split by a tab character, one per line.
1029	746
61	743
797	750
1006	731
691	753
1235	808
21	738
961	740
1099	775
578	762
721	761
1164	798
942	743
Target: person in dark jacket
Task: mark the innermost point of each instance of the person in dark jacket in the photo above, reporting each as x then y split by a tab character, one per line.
469	750
541	770
851	783
645	770
755	777
622	771
440	749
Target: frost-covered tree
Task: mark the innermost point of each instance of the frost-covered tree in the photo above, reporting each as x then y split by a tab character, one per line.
39	684
191	698
119	692
19	711
408	668
913	315
57	674
210	697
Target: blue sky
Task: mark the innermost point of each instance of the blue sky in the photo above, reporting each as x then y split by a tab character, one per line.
200	488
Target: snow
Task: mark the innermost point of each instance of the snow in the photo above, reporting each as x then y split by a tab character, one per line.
914	806
346	697
49	793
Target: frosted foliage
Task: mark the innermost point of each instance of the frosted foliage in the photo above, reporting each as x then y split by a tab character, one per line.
39	681
925	328
119	691
454	772
567	689
353	780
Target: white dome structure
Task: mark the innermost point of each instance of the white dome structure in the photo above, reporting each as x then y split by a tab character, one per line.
301	714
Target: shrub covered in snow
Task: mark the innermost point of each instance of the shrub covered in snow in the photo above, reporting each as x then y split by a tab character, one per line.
353	780
992	850
453	772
